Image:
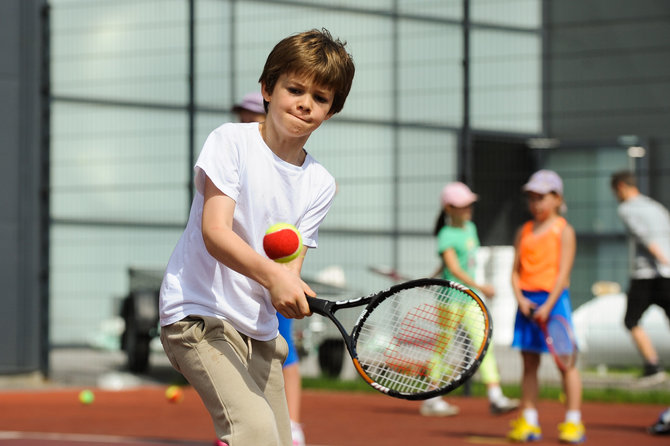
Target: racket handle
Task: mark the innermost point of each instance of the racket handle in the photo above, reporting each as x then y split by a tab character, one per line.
319	306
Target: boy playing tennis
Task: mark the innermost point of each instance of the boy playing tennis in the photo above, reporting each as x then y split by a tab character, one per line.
219	295
544	254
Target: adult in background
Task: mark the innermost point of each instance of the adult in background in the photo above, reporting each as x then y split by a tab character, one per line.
648	224
250	109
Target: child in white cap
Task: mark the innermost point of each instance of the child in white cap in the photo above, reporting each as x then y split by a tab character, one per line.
544	254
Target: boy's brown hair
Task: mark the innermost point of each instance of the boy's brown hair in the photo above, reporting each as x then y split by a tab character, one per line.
314	54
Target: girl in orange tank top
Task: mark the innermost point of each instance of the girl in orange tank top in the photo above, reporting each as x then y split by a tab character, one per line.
539	255
544	255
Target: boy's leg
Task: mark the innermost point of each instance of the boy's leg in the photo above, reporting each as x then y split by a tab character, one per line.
215	359
265	366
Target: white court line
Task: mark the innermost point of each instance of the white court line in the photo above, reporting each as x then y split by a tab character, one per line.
83	438
88	438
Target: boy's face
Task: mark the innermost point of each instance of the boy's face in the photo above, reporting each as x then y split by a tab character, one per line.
297	105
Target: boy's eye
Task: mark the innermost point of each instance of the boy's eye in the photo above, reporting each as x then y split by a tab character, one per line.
321	99
293	90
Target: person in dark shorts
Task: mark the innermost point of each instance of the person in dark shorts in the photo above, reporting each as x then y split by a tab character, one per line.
648	224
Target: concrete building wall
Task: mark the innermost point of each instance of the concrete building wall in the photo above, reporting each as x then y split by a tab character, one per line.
608	67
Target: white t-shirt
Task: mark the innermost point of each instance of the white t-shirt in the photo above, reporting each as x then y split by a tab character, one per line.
266	190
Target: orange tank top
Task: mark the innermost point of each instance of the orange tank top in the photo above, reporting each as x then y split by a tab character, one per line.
539	256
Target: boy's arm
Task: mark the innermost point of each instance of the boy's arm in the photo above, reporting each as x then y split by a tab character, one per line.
568	249
287	290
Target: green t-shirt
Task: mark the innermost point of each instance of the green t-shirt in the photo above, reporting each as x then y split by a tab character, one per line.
465	242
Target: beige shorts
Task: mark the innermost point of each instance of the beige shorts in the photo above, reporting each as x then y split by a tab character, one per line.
238	378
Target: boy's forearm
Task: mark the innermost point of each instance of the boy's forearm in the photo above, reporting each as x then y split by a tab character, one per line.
228	248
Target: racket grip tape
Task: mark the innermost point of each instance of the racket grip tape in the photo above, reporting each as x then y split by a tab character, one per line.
319	306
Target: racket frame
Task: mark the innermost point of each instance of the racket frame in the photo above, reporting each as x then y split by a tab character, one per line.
549	340
328	308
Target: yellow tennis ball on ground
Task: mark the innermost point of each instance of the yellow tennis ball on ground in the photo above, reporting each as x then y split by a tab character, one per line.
86	397
282	242
174	394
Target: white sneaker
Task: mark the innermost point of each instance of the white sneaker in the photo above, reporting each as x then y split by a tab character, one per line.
437	407
503	405
297	434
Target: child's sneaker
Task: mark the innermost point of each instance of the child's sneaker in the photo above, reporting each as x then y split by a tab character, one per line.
503	405
296	434
523	432
437	407
572	433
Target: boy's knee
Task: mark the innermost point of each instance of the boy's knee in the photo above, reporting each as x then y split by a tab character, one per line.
256	431
252	427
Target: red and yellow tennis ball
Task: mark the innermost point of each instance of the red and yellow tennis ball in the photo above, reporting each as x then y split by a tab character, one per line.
86	397
174	394
282	242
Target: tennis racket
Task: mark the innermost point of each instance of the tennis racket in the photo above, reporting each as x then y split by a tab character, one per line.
560	340
417	339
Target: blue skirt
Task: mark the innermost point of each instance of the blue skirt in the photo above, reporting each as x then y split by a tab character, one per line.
527	334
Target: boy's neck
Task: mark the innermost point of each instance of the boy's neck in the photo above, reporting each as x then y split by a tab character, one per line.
290	150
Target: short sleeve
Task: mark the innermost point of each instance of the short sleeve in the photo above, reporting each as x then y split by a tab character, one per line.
220	160
309	225
445	240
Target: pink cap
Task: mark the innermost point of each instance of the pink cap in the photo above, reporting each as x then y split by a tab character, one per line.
252	102
458	194
543	182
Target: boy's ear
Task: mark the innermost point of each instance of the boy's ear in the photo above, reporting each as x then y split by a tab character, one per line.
266	94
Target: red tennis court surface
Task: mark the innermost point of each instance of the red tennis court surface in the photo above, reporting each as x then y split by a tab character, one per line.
143	417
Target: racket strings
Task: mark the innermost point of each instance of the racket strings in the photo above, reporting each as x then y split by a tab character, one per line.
561	338
422	339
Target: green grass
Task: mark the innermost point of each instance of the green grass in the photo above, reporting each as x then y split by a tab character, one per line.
608	395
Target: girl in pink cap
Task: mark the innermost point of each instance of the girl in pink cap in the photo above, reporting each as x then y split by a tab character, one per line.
457	245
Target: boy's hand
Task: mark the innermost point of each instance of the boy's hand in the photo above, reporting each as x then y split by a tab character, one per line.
287	293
